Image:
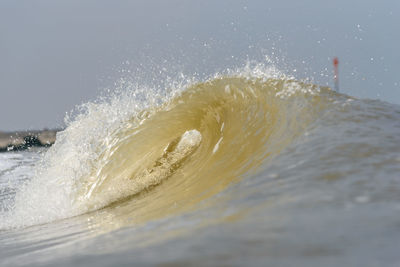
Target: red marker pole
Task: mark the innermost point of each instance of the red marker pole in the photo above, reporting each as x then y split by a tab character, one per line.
336	69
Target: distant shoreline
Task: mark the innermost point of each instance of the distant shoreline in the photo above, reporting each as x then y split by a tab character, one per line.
21	140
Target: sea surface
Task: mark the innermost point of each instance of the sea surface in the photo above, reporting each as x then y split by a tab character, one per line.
249	167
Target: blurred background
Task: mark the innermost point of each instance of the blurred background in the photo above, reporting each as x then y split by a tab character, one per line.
55	55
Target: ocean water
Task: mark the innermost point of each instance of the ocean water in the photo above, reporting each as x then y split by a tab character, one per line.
247	167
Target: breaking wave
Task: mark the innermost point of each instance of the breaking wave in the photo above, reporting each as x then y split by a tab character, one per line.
151	149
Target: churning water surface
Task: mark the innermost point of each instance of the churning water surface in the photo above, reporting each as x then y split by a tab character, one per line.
250	167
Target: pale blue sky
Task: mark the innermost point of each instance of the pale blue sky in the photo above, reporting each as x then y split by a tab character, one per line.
57	54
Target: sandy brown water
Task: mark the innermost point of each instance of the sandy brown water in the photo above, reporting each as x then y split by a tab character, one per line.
233	171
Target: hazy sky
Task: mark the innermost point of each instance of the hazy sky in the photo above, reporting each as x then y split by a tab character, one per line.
55	54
